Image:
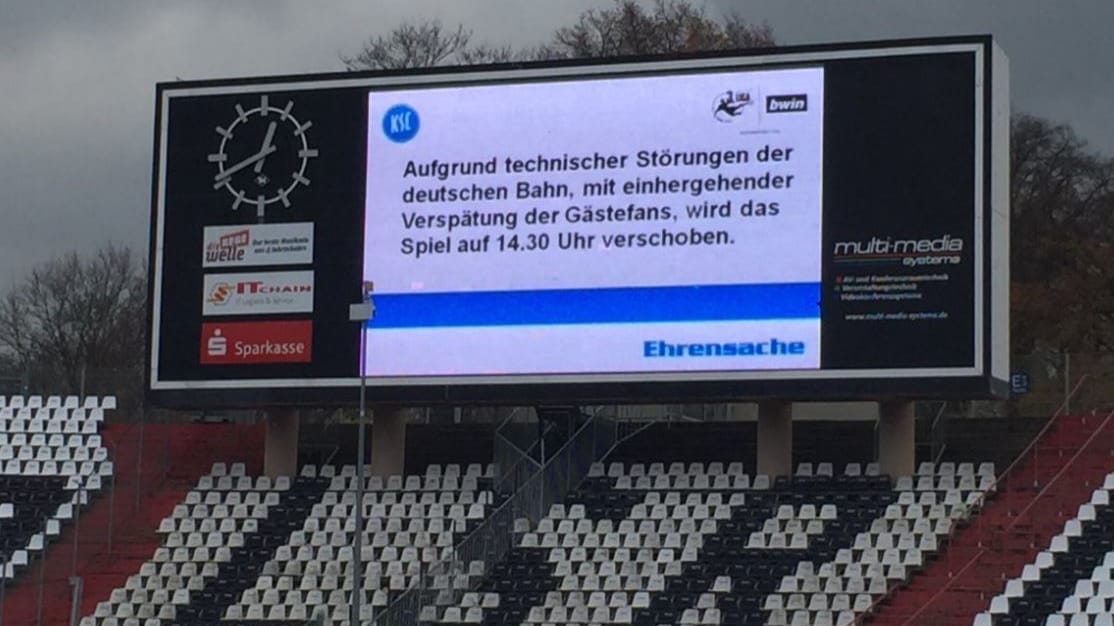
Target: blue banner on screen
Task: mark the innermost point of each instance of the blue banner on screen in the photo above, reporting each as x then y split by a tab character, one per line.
623	305
641	224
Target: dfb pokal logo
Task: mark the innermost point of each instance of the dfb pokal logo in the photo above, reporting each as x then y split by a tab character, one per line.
729	105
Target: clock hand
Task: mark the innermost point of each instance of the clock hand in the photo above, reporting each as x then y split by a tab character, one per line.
258	156
266	144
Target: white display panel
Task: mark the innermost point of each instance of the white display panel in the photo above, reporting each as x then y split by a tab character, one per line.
642	224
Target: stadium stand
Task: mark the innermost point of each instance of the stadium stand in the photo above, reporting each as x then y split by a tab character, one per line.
154	467
707	543
661	532
52	461
1070	582
1046	484
241	550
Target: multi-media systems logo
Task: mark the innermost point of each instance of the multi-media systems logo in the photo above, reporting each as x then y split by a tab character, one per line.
943	250
246	343
260	293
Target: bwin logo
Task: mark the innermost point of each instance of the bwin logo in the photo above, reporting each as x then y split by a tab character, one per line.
401	123
795	103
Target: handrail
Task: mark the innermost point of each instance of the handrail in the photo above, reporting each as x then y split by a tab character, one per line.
1017	519
939	414
508	419
982	550
1063	469
511	504
999	479
932	433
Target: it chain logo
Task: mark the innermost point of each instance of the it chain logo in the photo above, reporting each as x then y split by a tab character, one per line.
250	343
258	293
222	293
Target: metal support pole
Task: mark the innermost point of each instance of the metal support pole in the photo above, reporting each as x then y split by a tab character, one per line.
3	587
1067	383
42	582
76	531
111	513
357	571
361	312
75	599
139	458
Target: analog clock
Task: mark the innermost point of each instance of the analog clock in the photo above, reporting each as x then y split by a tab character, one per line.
262	155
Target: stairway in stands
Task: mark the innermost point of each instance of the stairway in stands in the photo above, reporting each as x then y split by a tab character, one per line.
1044	487
160	472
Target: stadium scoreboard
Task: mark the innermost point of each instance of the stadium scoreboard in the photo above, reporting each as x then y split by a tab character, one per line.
815	222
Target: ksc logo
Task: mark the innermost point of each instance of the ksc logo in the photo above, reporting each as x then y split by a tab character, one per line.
401	123
729	105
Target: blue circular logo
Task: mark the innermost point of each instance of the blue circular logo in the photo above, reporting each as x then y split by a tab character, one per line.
401	123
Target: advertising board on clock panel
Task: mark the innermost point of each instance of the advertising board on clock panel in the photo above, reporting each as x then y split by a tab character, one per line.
811	222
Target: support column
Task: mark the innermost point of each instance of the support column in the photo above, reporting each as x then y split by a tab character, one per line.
775	438
388	441
896	438
280	454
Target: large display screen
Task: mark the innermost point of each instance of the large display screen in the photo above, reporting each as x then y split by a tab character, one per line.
648	224
822	222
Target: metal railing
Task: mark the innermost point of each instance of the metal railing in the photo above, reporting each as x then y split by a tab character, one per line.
996	490
989	536
443	583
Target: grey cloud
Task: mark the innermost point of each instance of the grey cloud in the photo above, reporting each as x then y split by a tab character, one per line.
1060	53
78	79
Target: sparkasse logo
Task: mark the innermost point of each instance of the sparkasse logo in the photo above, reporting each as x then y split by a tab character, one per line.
233	343
259	293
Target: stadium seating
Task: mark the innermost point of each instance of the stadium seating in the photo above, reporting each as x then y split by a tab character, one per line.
52	461
242	550
707	543
1071	582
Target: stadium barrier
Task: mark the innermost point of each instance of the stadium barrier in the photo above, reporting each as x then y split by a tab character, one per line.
495	536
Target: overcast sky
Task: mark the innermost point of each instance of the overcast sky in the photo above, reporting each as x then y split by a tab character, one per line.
77	79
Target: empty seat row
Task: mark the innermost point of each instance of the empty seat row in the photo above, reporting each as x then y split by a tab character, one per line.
50	402
1055	586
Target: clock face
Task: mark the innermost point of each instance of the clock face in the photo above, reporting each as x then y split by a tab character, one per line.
262	155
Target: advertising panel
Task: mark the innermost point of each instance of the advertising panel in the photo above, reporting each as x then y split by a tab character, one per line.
257	293
258	244
239	343
820	222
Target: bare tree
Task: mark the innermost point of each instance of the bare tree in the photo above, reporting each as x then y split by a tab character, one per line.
625	28
1062	209
75	313
669	27
412	45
